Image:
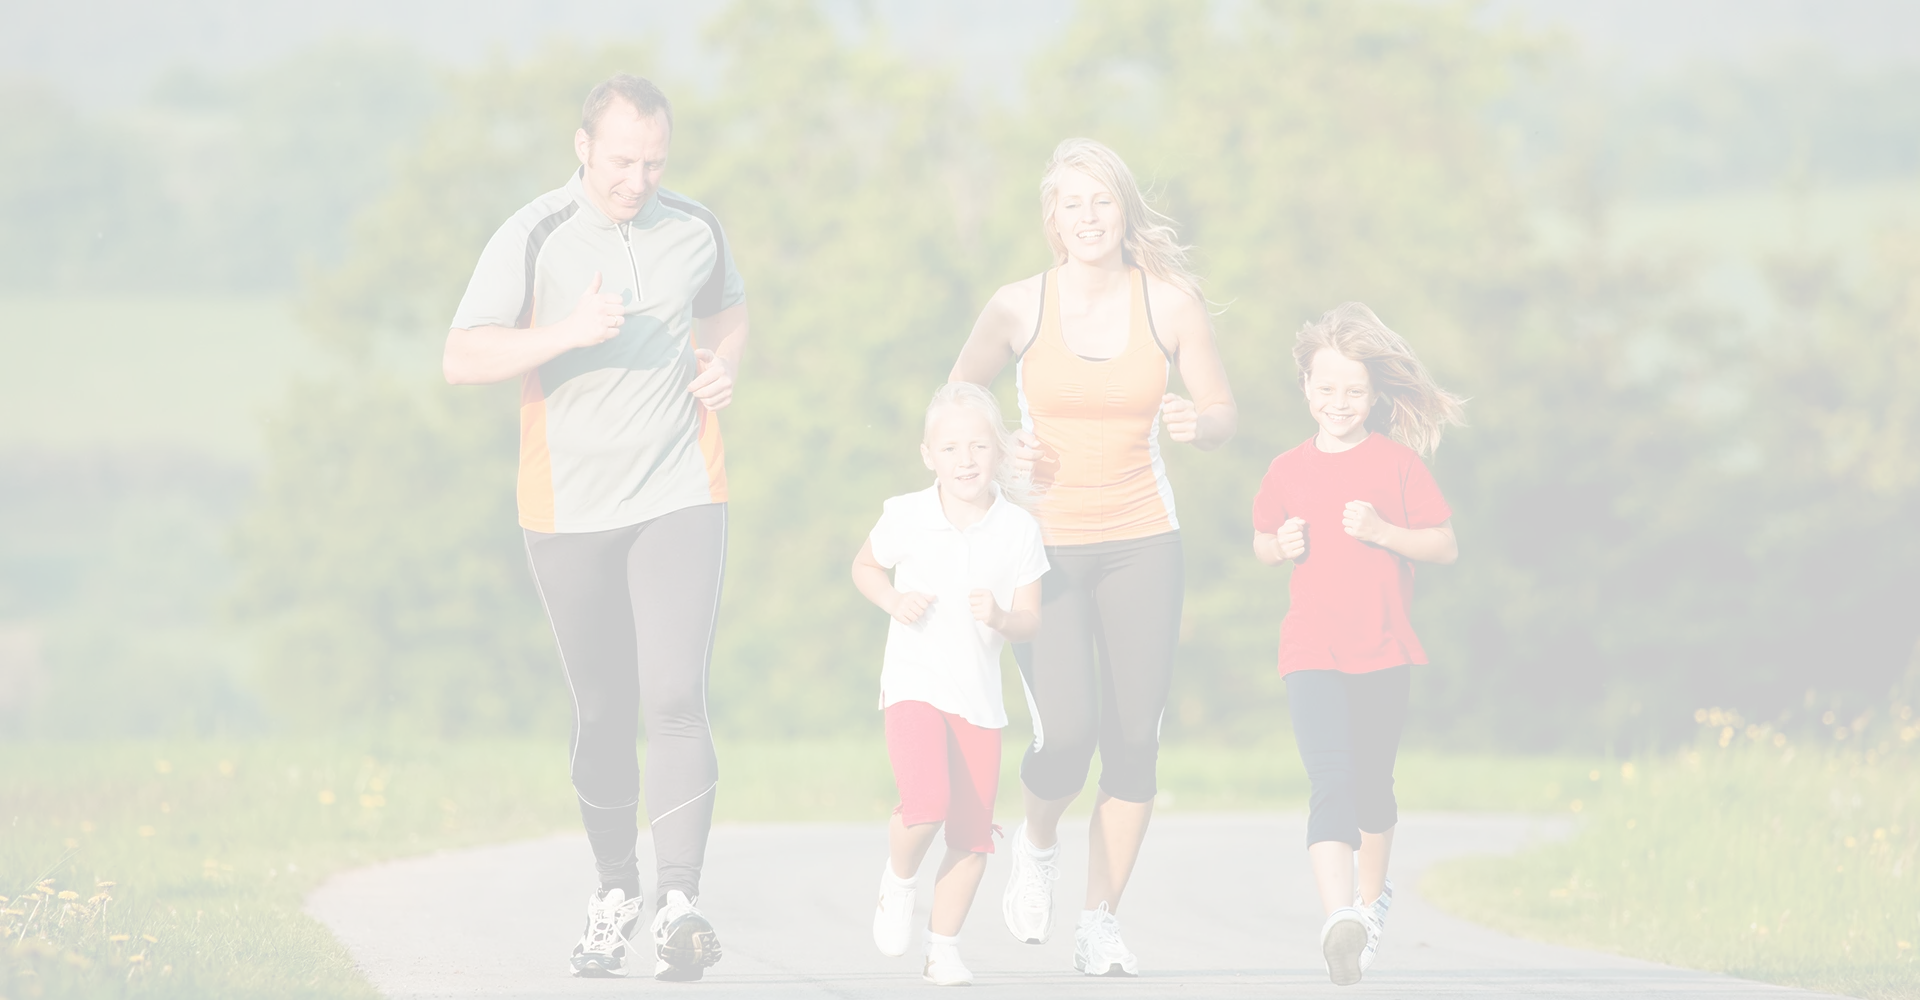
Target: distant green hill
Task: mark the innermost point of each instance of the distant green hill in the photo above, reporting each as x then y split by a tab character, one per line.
106	52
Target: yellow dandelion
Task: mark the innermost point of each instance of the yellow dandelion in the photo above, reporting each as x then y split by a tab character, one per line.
372	801
150	939
1626	771
163	766
1576	805
1632	823
1880	833
116	938
137	958
1904	945
1700	715
103	885
71	843
68	894
226	768
86	826
145	831
326	796
166	807
1852	843
1593	775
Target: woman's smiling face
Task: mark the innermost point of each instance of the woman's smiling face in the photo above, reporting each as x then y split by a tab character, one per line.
1087	218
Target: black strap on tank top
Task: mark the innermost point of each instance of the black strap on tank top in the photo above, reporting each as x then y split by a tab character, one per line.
1038	320
1152	331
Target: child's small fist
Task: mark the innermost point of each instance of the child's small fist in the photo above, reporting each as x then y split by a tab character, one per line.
911	606
1363	522
986	610
1291	539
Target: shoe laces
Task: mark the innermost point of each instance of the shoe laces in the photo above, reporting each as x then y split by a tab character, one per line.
1103	931
1037	891
606	924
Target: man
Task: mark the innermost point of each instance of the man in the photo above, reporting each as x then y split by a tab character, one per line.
599	297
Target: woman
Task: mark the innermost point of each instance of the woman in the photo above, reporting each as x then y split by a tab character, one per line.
1094	341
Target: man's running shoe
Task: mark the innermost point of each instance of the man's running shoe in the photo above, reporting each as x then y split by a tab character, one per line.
1376	917
683	940
1028	901
1097	948
944	967
612	919
893	914
1341	942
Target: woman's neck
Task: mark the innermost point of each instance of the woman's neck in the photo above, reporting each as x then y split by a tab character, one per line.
1094	277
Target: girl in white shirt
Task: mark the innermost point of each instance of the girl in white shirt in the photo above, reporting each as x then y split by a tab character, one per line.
967	561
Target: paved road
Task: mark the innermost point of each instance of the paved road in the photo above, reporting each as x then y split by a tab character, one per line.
1221	907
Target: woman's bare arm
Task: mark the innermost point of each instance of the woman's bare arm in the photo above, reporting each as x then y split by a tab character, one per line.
1182	322
1002	329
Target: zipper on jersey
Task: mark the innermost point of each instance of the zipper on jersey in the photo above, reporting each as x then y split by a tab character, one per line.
633	268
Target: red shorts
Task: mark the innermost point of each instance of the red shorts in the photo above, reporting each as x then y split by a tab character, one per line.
947	769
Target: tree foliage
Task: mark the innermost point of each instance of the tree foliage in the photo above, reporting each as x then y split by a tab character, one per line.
1660	505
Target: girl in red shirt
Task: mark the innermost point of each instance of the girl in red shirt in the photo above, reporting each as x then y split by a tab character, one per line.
1352	508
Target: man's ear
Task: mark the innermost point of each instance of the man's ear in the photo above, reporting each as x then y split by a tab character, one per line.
582	145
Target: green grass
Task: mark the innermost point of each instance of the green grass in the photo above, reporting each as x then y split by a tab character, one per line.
181	373
1734	227
212	846
1786	861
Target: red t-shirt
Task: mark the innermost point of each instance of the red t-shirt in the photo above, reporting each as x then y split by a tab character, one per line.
1349	599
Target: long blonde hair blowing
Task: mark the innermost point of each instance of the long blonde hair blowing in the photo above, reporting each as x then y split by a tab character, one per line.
1417	408
1014	484
1150	243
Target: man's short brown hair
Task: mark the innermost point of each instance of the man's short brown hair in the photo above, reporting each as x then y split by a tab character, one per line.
635	90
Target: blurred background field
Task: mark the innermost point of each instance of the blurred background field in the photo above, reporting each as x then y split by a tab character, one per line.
1672	253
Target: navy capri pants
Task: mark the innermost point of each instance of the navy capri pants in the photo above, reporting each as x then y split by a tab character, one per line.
1347	727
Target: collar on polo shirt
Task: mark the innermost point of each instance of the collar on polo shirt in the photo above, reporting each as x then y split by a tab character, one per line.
577	187
927	512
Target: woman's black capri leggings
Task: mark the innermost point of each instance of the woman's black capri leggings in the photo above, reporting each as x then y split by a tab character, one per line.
1347	727
1098	671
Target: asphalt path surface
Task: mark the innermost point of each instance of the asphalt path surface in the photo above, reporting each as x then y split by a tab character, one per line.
1220	906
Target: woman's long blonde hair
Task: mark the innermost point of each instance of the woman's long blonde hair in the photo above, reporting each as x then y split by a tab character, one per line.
1014	484
1417	408
1150	243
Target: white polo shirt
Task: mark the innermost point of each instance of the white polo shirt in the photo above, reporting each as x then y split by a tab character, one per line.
947	659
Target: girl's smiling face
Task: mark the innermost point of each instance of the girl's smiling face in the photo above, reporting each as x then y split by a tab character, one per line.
1340	396
964	452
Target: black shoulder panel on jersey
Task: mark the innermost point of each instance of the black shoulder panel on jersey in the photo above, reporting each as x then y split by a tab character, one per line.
707	301
535	239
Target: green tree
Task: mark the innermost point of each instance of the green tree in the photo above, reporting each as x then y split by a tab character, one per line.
75	206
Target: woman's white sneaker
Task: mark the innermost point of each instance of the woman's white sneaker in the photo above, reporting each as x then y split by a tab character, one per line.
944	967
1097	948
893	914
1027	904
683	941
602	952
1375	914
1342	940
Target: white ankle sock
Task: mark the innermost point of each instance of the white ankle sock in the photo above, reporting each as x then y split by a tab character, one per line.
941	942
897	880
1043	853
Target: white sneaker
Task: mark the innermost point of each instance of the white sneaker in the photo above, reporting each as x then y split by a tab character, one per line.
944	967
1097	948
683	940
1028	901
1342	940
612	919
1375	915
893	914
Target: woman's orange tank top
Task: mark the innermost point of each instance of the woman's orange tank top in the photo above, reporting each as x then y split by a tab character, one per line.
1100	478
